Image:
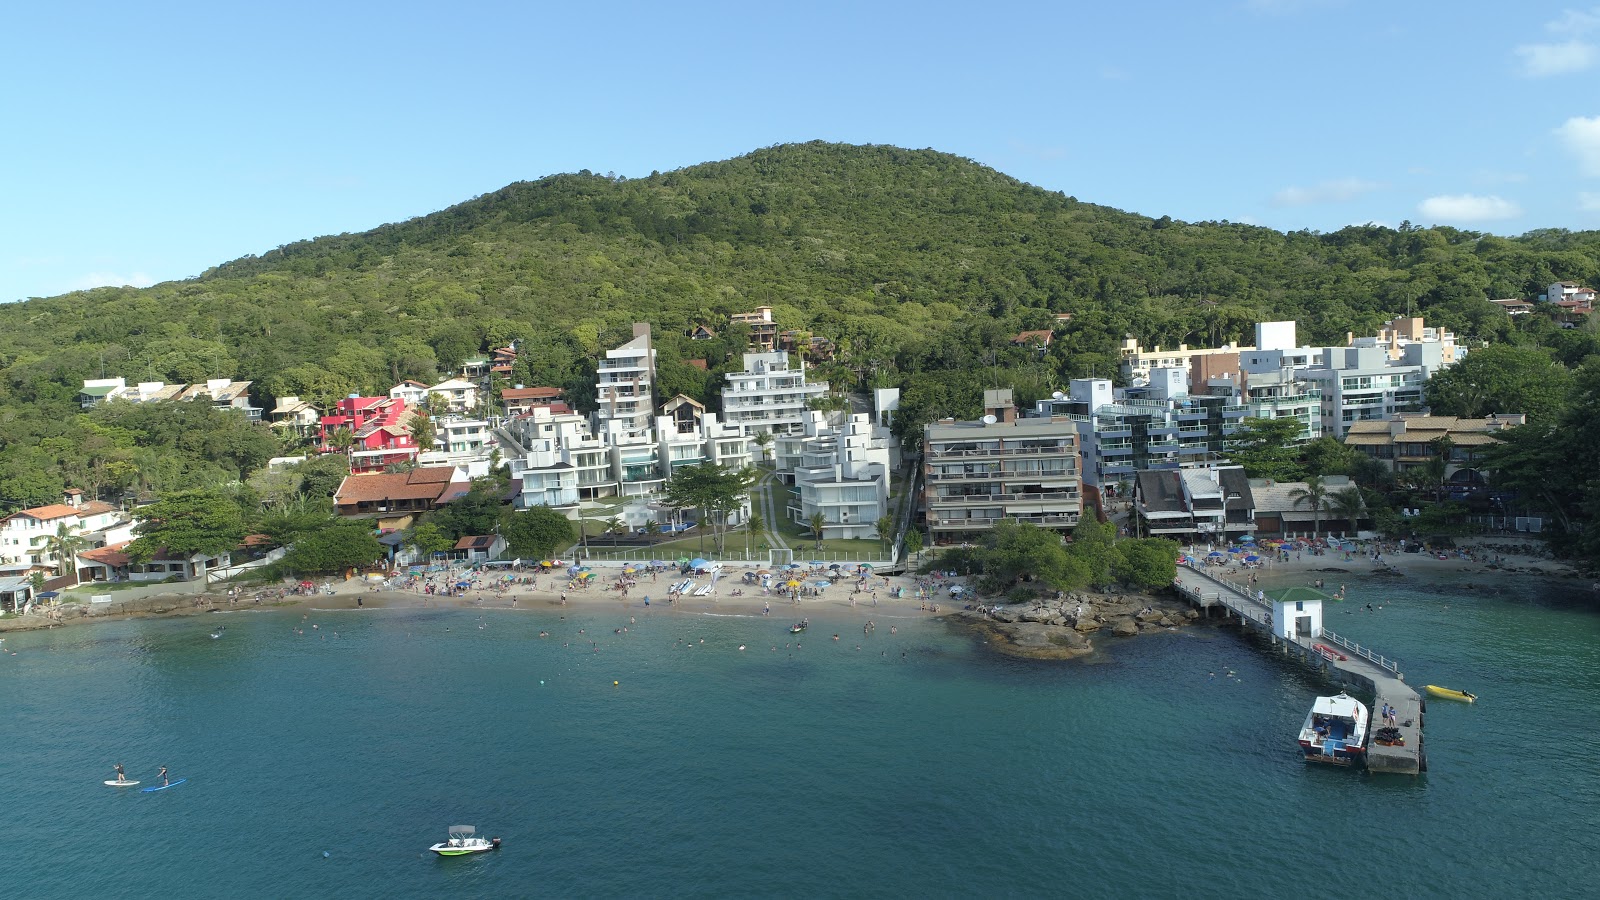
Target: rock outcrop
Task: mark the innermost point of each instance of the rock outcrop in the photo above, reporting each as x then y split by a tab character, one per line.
1060	627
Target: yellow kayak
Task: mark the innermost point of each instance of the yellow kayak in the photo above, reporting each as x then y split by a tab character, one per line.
1450	694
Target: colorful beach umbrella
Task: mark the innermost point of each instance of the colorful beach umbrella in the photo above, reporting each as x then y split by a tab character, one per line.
793	583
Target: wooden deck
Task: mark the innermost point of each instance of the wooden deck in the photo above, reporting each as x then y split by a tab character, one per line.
1361	669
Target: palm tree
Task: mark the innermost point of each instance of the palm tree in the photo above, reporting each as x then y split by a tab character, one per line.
816	522
764	441
64	546
885	529
1347	502
652	528
1315	495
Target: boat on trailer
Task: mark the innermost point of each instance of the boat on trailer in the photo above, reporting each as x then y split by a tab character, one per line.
1336	731
464	841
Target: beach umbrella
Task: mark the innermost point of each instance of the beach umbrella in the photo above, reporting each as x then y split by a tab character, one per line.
820	583
1252	558
683	560
793	566
1216	553
793	583
699	563
573	570
1247	539
763	572
834	566
656	563
866	565
817	563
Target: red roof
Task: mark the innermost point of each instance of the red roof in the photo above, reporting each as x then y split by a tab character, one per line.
531	393
46	513
1030	336
697	363
425	483
110	555
475	542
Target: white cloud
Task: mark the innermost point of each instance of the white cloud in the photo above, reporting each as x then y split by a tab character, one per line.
1589	201
109	279
1544	60
1563	57
1582	137
1337	191
1468	208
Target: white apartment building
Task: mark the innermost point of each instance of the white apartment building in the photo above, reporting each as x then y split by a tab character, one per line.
563	461
24	535
1138	361
625	389
458	394
769	395
842	472
1001	467
221	393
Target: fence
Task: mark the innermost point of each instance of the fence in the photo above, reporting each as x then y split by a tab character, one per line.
640	556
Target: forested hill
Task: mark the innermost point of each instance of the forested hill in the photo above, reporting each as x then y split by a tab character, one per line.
914	262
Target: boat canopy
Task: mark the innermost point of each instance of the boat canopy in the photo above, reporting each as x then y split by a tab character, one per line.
1342	707
463	829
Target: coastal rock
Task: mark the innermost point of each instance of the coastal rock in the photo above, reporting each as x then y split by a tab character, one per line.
1125	627
1149	615
1004	614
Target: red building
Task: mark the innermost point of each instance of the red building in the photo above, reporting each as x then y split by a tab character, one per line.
380	432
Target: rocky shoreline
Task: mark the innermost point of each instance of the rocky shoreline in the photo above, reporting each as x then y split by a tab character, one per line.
1060	627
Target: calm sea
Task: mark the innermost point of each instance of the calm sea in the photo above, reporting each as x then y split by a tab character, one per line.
918	765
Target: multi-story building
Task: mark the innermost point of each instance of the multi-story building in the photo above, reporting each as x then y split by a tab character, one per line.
25	535
1159	426
379	431
1000	467
763	329
456	394
841	471
769	395
1211	504
295	416
1406	443
564	461
1138	361
625	388
221	393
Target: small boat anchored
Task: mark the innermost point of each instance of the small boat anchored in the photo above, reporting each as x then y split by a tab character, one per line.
799	626
463	841
1335	731
1451	694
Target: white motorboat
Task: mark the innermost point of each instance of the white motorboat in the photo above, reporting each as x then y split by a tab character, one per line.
463	841
1336	731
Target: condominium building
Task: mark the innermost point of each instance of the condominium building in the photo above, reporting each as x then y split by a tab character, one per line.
1406	443
1000	467
842	472
625	388
770	395
762	327
220	393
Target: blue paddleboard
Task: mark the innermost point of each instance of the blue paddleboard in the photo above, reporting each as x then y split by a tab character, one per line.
162	787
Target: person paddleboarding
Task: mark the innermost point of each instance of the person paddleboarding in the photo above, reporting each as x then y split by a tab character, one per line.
120	776
163	776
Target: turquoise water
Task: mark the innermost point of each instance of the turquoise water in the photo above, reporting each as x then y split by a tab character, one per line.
818	771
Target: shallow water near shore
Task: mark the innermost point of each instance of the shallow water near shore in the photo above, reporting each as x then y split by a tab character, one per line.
817	770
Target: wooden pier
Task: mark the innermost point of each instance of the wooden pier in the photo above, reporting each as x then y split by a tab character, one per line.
1354	666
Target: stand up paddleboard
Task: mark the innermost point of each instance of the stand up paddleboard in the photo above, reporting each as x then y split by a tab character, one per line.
162	787
122	783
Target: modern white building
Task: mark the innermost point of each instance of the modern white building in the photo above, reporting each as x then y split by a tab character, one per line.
25	535
458	394
221	393
625	389
841	471
770	395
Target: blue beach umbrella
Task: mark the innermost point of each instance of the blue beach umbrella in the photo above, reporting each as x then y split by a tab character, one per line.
1216	553
698	563
820	583
1252	558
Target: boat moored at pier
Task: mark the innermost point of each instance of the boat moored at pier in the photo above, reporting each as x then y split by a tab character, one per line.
1336	731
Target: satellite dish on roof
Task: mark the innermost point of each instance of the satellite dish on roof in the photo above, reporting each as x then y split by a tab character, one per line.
1058	396
989	420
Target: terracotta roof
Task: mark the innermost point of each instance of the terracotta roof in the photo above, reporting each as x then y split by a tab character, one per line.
111	555
697	363
426	483
531	393
475	542
53	511
1026	336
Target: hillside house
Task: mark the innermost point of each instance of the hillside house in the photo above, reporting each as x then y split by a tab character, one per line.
380	432
763	329
393	501
295	416
521	400
24	535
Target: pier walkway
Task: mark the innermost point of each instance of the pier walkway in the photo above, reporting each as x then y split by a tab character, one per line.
1355	666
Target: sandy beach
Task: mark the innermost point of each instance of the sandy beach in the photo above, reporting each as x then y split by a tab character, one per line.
1492	560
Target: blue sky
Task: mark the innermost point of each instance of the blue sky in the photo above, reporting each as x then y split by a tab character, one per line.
147	142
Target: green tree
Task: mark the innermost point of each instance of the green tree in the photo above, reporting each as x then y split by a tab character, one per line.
716	490
538	533
763	441
1094	546
422	429
1502	379
1315	495
1146	562
1328	456
187	523
1349	503
913	541
1265	447
337	548
817	521
429	540
885	530
321	475
476	512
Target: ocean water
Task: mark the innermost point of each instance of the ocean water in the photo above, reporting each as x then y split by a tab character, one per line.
921	764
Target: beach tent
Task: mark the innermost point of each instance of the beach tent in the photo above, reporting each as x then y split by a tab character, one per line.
699	563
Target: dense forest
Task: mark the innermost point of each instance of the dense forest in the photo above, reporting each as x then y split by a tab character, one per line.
919	265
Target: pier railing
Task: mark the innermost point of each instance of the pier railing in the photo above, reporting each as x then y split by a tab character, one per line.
1383	662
